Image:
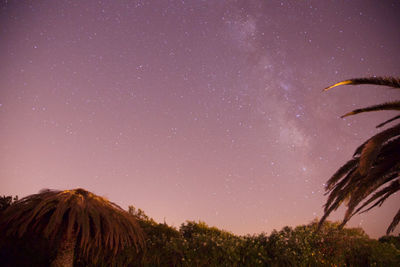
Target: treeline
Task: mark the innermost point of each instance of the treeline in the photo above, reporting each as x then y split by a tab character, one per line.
197	244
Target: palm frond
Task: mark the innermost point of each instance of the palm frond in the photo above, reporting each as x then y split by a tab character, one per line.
350	165
386	81
394	223
359	149
384	170
388	121
381	195
340	192
364	189
374	145
385	106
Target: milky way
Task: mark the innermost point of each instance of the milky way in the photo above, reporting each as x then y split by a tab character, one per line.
193	110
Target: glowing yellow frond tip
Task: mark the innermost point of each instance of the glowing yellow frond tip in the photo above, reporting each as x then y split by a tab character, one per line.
338	84
348	114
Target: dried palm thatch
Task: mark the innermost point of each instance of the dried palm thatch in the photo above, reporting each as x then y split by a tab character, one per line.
373	174
78	218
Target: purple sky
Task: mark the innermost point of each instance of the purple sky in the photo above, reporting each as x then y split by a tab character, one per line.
193	110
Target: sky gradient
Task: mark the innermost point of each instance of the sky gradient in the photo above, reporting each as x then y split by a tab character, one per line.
193	110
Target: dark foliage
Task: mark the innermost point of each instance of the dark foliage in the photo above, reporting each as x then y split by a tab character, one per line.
197	244
96	226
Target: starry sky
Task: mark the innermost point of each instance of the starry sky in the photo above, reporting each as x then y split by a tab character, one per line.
193	109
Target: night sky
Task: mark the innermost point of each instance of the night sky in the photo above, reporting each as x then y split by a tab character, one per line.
194	110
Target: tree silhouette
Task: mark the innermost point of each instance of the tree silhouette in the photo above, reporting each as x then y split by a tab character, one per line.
372	175
73	219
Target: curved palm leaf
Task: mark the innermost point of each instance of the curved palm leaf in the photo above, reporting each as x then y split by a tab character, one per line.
381	195
394	223
388	121
373	172
385	106
372	148
350	165
386	81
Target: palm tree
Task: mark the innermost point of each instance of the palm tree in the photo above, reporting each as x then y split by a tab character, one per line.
73	219
372	175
